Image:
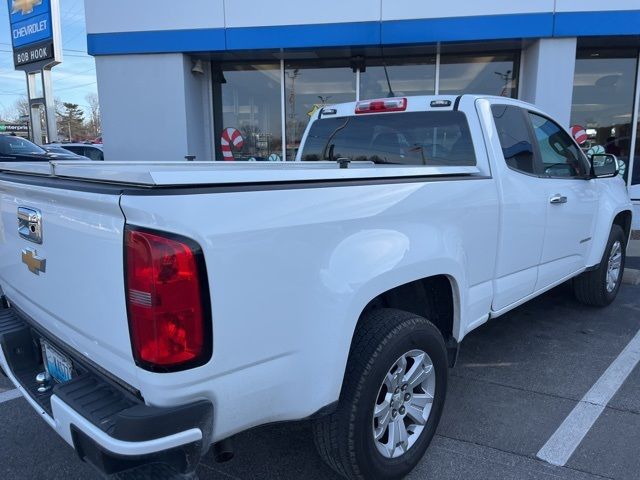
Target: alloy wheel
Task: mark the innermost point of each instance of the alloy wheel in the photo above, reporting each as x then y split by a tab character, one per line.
404	403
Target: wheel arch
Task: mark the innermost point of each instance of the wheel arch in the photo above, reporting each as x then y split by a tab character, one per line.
622	217
435	297
624	220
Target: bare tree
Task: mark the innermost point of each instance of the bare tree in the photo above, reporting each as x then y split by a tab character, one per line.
94	123
18	111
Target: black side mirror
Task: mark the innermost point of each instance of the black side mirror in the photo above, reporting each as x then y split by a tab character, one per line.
604	165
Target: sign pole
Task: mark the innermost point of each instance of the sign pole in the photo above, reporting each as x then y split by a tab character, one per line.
50	107
34	108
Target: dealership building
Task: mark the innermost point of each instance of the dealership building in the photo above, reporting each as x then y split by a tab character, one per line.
175	77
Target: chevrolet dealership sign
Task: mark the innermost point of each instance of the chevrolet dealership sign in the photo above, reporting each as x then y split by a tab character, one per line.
35	32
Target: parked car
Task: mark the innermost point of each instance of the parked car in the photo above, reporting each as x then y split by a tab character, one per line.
153	310
55	152
93	151
18	149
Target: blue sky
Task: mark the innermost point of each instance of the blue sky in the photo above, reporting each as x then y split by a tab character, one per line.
72	79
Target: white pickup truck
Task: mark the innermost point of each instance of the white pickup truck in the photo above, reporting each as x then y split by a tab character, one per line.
152	310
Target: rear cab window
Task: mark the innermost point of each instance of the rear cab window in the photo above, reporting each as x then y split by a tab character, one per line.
432	138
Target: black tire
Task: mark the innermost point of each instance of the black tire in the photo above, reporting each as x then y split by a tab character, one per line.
590	287
344	438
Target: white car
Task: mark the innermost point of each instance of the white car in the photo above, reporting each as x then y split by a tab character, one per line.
93	151
155	309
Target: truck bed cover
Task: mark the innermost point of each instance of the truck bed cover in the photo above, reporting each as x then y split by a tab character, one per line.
165	174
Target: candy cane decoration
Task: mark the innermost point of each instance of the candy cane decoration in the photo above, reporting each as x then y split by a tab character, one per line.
230	136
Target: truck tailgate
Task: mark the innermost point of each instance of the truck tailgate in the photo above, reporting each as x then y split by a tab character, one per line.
71	284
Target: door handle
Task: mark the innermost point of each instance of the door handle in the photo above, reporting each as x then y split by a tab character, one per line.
557	199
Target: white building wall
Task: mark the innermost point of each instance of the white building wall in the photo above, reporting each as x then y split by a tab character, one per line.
409	9
295	12
595	5
548	67
105	16
152	107
198	110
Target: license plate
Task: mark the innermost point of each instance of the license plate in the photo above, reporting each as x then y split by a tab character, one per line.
57	364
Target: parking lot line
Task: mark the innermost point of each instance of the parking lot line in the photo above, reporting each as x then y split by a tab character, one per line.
10	395
575	427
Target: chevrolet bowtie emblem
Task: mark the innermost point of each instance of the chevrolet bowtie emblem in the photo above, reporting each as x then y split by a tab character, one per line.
33	262
24	6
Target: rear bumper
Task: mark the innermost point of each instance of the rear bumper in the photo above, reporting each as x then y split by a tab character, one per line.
108	425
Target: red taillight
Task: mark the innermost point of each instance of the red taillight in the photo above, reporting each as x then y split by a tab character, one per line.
167	301
382	105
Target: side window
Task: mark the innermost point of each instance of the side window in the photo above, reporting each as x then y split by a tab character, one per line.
75	150
515	138
93	153
560	156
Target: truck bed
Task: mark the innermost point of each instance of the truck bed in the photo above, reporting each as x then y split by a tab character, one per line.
166	174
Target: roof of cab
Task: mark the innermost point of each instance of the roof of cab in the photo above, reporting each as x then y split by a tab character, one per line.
418	103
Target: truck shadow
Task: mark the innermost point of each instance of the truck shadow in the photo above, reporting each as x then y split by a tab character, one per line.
283	451
546	345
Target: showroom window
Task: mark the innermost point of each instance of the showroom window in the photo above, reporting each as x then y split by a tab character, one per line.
257	105
309	87
248	124
406	77
482	74
603	96
635	180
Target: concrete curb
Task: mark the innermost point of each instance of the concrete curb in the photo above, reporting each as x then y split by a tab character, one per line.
631	276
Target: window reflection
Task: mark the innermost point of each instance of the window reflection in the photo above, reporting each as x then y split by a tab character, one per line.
250	104
603	94
308	88
248	100
408	138
407	77
485	75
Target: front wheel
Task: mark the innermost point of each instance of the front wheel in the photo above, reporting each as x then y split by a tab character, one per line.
391	400
600	287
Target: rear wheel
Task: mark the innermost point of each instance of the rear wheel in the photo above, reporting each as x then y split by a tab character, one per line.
391	401
600	287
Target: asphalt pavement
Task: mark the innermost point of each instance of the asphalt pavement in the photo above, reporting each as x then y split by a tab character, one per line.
517	380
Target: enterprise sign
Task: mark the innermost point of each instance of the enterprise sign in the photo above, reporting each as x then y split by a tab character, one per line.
14	127
33	31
